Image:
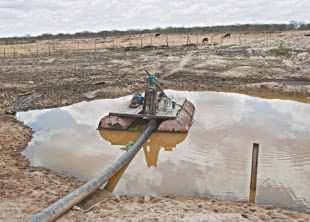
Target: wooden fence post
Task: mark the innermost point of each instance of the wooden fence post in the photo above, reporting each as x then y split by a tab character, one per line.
254	172
188	40
197	38
78	47
4	52
49	49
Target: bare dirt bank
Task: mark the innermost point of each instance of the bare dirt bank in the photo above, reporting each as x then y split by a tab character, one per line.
36	82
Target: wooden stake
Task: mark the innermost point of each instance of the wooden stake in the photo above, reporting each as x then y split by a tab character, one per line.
197	38
188	40
49	49
252	196
254	172
78	47
254	166
22	47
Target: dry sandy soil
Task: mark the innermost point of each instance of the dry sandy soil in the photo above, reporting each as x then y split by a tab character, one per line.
34	81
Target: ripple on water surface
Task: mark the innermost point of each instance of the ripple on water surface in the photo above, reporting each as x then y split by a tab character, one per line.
213	159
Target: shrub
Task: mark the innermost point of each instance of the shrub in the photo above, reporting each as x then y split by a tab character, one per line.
31	41
282	51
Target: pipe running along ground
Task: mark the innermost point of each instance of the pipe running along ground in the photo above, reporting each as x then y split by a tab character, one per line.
60	207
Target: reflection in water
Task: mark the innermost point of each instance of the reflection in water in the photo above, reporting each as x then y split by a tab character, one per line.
214	159
151	147
252	196
111	184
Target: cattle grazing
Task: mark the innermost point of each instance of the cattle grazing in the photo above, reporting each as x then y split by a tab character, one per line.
205	40
157	35
226	35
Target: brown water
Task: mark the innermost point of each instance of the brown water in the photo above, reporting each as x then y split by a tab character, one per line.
213	159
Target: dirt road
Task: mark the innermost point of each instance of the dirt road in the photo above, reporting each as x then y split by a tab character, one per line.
37	82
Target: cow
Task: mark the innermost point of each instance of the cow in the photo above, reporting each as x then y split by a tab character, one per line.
226	35
205	40
157	35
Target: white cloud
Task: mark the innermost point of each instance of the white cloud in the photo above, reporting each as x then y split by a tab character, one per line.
30	116
35	17
90	114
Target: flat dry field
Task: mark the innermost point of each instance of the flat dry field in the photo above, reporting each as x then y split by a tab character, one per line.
100	44
255	65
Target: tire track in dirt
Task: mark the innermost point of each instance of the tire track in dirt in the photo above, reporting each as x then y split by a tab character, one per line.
184	61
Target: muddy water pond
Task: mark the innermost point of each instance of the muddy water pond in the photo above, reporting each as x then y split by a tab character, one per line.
213	159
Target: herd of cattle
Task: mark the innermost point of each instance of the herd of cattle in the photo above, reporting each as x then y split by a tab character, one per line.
227	35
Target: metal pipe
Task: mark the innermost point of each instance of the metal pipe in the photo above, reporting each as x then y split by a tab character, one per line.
60	207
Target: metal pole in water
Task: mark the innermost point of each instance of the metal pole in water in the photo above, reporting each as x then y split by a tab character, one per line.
254	172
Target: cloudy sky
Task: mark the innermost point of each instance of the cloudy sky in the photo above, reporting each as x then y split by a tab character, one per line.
34	17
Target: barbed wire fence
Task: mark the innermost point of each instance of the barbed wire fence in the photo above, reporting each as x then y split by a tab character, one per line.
67	46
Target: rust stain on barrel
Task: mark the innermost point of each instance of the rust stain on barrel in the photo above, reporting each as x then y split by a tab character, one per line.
182	122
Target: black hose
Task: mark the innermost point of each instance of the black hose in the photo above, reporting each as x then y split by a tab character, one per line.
60	207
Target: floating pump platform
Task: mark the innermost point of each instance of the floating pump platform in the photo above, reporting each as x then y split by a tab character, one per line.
171	114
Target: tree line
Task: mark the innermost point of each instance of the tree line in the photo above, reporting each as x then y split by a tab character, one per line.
202	30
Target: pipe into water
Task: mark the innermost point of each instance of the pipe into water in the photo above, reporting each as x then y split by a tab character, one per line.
60	207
